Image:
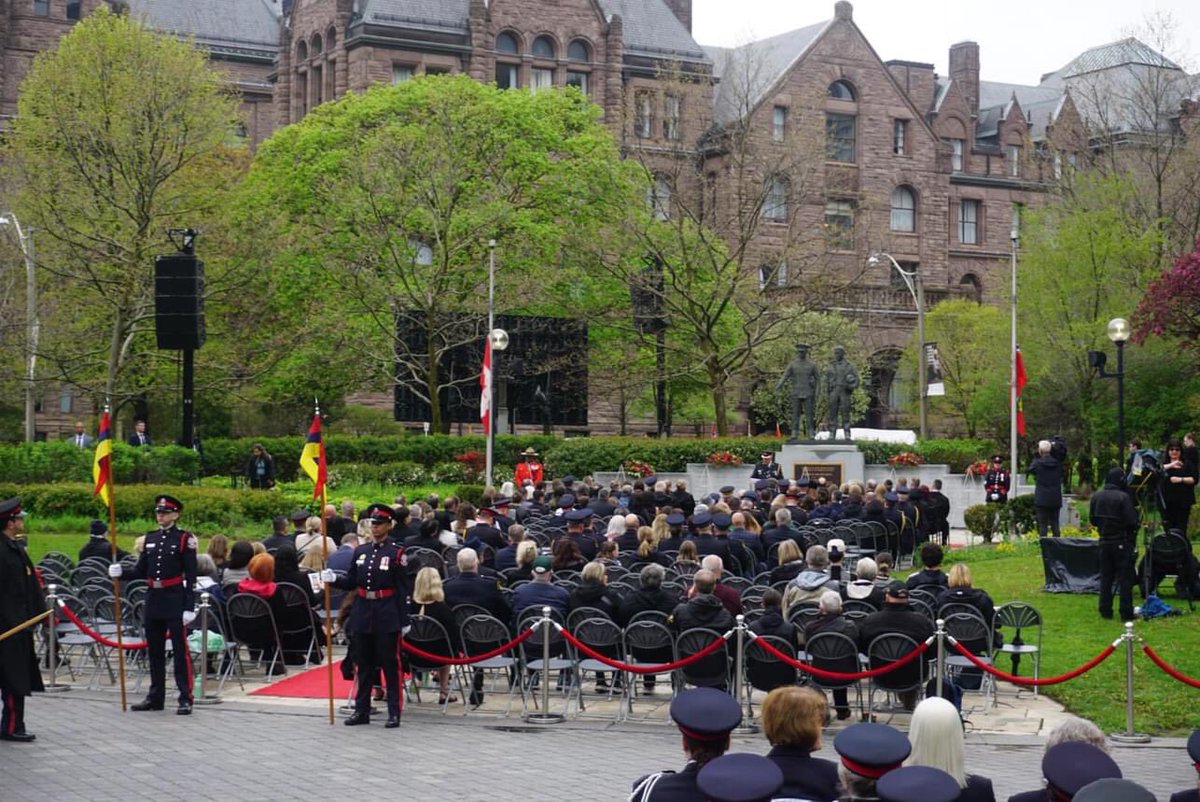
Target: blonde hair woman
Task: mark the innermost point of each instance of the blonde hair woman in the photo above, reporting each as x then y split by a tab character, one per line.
429	600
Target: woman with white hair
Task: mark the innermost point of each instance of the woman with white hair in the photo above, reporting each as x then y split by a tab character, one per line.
616	527
1047	473
936	734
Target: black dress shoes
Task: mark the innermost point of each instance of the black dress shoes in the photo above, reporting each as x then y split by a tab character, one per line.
356	719
146	705
184	709
20	737
392	723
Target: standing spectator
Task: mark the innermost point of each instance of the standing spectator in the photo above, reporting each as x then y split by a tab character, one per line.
1112	512
936	734
529	471
997	482
139	436
1178	488
1047	473
81	438
260	468
938	507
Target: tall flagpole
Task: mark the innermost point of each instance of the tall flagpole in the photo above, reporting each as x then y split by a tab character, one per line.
1012	357
112	529
328	613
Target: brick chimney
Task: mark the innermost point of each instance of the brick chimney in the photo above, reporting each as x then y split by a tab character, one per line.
964	71
683	10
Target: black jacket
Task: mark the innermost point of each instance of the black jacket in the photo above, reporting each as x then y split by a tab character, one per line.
1048	478
20	599
702	610
771	622
831	623
471	588
1112	512
642	600
593	594
804	776
99	547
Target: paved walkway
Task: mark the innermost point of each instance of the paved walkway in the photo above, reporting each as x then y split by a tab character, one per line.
284	749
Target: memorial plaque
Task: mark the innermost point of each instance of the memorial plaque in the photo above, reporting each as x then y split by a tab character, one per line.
832	471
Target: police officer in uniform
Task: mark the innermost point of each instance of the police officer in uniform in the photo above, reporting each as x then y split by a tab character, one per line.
168	564
705	717
1193	747
741	777
1067	767
20	599
379	616
917	784
767	468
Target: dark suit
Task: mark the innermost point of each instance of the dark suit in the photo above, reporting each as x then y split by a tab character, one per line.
168	559
84	440
471	588
136	439
20	599
804	776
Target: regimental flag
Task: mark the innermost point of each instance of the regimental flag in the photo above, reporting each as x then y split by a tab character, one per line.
485	387
102	464
1022	379
312	458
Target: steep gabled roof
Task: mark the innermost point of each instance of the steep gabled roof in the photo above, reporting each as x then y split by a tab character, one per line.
427	15
652	29
995	93
747	73
228	27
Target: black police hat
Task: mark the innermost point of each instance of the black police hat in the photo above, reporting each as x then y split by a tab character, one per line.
299	515
568	480
727	490
1070	765
897	589
97	528
378	512
722	520
578	516
917	784
804	481
1112	789
566	501
705	714
11	508
740	777
676	519
762	484
701	519
889	496
165	503
871	750
650	481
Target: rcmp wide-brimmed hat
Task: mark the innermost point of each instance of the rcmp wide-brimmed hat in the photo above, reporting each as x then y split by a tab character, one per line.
529	452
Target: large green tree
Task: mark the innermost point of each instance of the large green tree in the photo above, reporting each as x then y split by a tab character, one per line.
384	204
121	133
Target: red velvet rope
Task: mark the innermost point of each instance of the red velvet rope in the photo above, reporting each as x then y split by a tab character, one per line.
643	668
96	636
1170	669
465	661
840	675
1013	678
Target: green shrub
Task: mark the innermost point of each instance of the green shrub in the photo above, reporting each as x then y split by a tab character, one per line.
981	520
1018	515
587	455
956	453
472	494
63	461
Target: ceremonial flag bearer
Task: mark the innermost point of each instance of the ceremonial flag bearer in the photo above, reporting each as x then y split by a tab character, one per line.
21	599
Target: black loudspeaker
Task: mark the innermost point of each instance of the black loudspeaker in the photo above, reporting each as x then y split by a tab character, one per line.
179	301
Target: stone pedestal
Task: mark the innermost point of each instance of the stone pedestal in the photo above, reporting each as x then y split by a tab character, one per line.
837	461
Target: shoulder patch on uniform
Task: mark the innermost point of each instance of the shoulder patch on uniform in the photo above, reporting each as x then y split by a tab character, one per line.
403	559
191	542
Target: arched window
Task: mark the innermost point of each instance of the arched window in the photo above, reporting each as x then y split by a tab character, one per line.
578	50
660	197
331	37
301	52
904	209
507	43
543	47
970	286
316	44
775	202
842	90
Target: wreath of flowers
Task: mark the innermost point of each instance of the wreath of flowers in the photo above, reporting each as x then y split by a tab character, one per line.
905	458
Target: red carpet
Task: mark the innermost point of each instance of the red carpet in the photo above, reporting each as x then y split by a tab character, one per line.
312	683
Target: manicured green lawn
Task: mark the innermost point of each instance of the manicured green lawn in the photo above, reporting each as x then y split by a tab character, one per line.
1074	633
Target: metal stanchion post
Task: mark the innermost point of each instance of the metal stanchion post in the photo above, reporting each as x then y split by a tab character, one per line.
544	716
202	698
941	654
747	726
53	686
1129	736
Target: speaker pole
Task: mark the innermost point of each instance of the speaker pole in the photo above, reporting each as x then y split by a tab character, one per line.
187	435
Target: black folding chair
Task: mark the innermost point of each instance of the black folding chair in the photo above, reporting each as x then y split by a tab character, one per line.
428	635
711	671
252	625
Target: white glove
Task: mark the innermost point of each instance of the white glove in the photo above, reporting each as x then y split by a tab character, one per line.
115	570
328	576
188	617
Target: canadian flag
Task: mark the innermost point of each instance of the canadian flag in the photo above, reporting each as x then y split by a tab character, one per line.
485	387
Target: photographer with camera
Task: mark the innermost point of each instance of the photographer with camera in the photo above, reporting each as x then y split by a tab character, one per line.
1112	512
1047	471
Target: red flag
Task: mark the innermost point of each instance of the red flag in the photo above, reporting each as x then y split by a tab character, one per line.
485	387
778	433
1022	380
312	458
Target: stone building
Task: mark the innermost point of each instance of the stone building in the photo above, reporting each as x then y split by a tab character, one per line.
855	155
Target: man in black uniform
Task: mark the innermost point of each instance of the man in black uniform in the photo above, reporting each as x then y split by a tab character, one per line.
98	545
767	468
168	564
1112	512
20	599
377	575
705	717
1193	747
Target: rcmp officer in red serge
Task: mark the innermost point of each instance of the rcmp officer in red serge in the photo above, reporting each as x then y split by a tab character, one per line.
168	564
377	576
20	599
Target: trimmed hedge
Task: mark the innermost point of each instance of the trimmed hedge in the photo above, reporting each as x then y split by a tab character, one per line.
63	461
397	473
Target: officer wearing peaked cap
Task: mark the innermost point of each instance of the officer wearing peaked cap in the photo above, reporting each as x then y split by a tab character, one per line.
168	564
22	599
1113	789
868	751
741	777
917	784
1067	767
705	717
1193	747
378	578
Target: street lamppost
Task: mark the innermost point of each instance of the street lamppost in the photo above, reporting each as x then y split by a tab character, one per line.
1118	332
32	324
499	342
912	280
